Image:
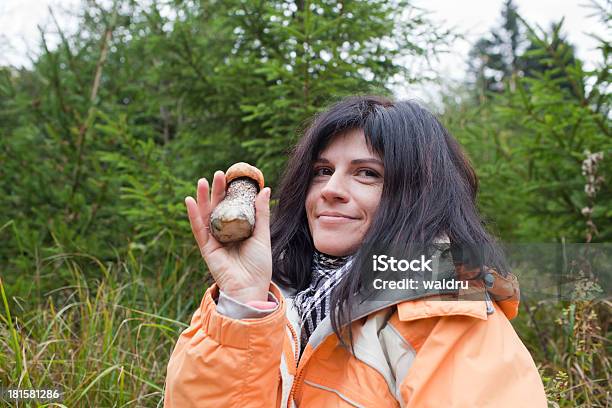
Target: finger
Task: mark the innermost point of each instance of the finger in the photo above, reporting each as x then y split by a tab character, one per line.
203	200
198	228
262	215
218	189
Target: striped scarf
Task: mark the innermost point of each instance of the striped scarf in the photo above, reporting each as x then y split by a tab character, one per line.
312	303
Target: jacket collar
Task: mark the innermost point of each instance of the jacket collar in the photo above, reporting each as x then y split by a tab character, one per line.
420	303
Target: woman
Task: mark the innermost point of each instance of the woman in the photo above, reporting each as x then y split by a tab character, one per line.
370	175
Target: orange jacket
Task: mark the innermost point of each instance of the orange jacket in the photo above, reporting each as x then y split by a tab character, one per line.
419	353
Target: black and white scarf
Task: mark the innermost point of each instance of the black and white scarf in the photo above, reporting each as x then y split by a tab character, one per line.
312	303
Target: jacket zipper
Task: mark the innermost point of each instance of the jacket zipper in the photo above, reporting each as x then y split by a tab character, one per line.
295	342
294	388
298	374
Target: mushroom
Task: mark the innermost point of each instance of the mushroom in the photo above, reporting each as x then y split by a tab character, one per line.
233	219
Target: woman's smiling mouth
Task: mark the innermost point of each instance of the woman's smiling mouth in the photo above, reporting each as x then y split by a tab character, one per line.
331	217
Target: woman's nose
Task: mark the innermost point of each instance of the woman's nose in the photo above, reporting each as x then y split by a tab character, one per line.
335	188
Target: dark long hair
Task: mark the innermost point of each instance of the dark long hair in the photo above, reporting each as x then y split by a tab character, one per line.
429	189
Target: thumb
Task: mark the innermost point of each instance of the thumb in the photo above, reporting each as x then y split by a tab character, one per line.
262	215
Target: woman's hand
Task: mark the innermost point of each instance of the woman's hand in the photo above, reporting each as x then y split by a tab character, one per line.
242	270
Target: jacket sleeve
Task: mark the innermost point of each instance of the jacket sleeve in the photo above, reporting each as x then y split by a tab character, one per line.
223	362
230	307
468	361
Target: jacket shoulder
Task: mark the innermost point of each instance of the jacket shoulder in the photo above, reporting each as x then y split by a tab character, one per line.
475	357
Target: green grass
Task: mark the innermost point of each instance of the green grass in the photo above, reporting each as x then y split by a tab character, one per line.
102	333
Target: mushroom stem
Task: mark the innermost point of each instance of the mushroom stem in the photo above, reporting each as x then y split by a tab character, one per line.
234	218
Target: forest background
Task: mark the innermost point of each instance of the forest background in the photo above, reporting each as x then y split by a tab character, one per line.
104	136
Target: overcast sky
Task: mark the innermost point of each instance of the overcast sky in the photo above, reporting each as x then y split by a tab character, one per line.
19	35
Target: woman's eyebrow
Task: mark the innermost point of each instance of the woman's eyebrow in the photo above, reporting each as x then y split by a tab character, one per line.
365	161
356	161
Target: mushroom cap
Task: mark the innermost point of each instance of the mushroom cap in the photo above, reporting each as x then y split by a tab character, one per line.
242	169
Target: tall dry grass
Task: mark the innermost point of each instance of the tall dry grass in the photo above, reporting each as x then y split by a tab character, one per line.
101	333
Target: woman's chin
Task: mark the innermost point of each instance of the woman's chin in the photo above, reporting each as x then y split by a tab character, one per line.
334	248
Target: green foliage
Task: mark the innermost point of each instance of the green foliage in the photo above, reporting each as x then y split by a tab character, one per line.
133	108
529	143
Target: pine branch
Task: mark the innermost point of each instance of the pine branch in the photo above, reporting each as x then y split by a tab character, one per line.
92	100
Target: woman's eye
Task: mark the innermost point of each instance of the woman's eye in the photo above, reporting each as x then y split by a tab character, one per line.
323	171
368	173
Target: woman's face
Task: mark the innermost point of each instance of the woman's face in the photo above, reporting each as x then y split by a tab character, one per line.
344	194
